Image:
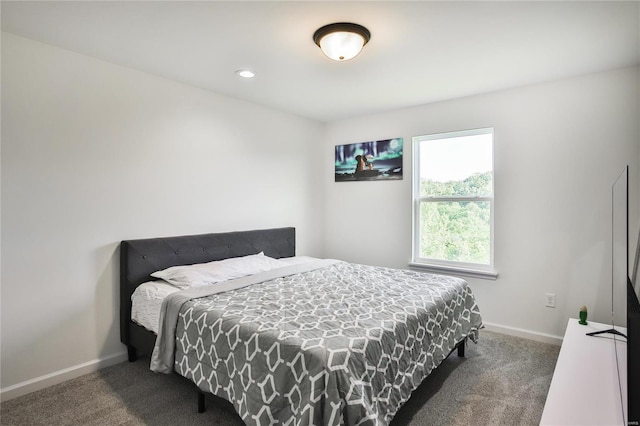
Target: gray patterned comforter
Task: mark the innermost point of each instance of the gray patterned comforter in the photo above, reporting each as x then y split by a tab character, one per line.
334	343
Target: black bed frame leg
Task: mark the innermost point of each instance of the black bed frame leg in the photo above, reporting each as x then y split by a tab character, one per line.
201	406
461	348
131	353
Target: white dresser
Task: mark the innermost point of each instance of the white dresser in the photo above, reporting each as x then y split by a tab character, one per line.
585	389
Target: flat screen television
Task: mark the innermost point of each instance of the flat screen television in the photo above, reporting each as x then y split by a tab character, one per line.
624	285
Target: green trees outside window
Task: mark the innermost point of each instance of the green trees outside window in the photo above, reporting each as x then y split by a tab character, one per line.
457	231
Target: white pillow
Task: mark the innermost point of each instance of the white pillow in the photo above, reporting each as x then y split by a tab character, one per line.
200	274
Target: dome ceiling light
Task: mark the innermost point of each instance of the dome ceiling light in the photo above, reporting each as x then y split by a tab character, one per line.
341	41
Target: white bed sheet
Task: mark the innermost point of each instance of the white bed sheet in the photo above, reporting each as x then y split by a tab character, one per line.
147	301
147	297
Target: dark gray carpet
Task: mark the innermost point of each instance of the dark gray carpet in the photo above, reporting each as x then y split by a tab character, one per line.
503	380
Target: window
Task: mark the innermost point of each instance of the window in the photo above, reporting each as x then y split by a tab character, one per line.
453	202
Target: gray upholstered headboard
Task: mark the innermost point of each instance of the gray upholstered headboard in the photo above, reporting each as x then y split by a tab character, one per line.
140	258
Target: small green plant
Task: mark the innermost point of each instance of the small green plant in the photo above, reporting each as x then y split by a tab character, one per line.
583	315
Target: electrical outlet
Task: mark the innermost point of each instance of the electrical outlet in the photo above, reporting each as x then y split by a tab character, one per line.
550	300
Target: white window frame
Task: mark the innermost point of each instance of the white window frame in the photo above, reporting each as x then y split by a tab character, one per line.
438	265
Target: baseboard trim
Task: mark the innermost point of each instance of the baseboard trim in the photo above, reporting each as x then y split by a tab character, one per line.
526	334
60	376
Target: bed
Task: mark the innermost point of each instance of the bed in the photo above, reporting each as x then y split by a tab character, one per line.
315	342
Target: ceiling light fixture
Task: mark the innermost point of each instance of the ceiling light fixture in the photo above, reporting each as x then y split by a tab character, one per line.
341	41
246	73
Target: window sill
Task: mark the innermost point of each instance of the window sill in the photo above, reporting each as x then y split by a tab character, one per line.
467	272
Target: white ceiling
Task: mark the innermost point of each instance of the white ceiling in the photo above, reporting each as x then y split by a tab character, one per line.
420	52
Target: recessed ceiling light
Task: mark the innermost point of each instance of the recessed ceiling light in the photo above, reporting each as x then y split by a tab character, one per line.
246	73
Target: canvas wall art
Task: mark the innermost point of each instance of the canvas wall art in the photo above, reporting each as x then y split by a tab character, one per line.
373	160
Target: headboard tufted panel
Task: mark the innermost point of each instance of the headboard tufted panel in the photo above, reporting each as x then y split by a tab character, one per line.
140	258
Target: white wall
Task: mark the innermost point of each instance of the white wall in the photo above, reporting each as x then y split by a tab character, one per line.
93	153
558	148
